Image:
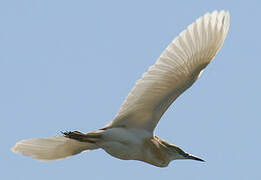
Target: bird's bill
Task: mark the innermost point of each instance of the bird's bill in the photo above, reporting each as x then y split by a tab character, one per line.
195	158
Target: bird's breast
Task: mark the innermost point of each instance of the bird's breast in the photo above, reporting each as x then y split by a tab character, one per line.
124	143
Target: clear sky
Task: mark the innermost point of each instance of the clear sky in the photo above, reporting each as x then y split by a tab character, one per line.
68	65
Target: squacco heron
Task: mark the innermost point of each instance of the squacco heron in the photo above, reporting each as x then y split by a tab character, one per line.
130	135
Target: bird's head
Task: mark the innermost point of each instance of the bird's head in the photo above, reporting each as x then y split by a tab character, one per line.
177	153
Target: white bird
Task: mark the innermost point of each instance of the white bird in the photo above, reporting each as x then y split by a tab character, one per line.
130	135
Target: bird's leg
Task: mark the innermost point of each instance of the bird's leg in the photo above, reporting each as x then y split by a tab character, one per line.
79	136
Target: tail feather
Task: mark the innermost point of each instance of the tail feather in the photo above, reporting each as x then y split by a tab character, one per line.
53	148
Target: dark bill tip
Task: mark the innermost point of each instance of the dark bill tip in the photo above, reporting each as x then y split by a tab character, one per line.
195	158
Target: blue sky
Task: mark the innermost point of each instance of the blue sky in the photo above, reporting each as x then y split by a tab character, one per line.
68	65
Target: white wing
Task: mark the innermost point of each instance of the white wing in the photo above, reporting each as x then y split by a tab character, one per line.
176	70
48	149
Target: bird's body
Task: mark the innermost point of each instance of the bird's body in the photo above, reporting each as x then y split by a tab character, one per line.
130	135
133	144
124	144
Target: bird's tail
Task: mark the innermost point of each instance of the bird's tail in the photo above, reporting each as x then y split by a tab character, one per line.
53	148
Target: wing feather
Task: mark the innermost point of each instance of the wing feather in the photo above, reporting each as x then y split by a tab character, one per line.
176	69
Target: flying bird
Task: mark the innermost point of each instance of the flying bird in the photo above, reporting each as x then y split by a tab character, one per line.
130	136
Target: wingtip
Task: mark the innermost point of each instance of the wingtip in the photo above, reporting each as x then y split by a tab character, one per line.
14	148
217	12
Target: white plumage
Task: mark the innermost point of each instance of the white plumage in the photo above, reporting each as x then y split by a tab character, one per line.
176	70
130	134
53	148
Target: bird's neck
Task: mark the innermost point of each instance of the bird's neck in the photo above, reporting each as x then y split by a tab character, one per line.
155	153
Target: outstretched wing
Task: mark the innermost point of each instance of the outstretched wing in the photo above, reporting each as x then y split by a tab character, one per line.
176	70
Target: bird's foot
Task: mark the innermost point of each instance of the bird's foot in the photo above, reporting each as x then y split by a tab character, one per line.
79	136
